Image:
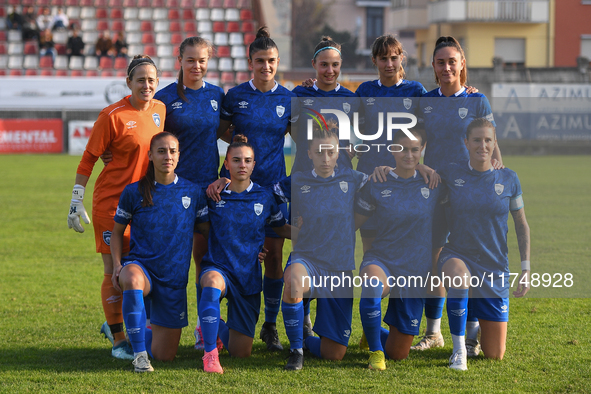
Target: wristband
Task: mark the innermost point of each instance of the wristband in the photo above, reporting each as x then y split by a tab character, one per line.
525	266
78	192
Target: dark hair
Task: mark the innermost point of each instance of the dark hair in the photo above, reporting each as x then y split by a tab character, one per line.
326	42
416	131
478	123
146	184
191	42
139	60
239	141
382	46
449	41
320	132
262	42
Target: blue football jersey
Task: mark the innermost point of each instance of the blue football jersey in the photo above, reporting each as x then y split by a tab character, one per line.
195	123
162	235
282	190
446	121
404	98
479	208
316	99
237	234
327	236
404	210
263	118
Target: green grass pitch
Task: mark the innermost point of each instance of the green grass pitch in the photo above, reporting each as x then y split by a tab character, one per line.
50	310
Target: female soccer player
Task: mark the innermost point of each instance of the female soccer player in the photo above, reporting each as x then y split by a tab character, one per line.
231	269
480	201
402	249
323	198
162	210
124	128
261	110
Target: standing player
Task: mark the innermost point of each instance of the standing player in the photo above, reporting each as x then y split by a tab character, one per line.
193	109
402	249
323	198
261	110
162	210
480	201
231	268
124	128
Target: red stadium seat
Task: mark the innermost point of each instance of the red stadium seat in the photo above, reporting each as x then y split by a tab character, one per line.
115	3
242	77
247	27
186	4
76	73
30	48
45	62
60	48
233	27
190	28
175	27
69	3
173	14
2	35
129	3
146	26
229	3
117	26
58	3
244	4
116	13
147	38
61	73
16	73
168	74
188	14
2	72
86	3
219	27
31	73
2	49
176	38
91	73
172	4
120	63
227	77
27	3
100	3
245	14
47	73
102	25
201	4
157	3
211	75
101	13
121	74
150	50
41	3
106	62
107	73
249	38
144	3
216	3
223	51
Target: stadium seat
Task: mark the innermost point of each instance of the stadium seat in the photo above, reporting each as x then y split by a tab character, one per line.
172	4
145	14
135	49
167	63
247	27
228	87
86	3
129	3
76	63
106	62
232	14
106	73
15	48
190	28
60	48
102	25
157	3
249	38
89	50
89	36
205	27
245	14
115	3
47	73
244	4
2	23
76	73
2	35
233	27
90	63
202	14
227	77
162	38
2	49
31	61
176	38
175	26
150	50
143	4
186	4
117	26
235	39
168	74
121	73
88	25
240	64
217	14
212	77
60	37
134	38
242	77
173	15
229	4
146	26
206	36
216	3
101	13
225	64
100	3
219	27
130	13
147	38
188	14
212	64
238	51
61	73
14	35
161	27
61	62
31	73
87	12
120	63
57	3
132	25
73	12
116	13
223	51
201	4
164	51
15	61
91	73
220	39
16	73
45	62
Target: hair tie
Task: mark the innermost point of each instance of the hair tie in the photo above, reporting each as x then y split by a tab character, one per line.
322	49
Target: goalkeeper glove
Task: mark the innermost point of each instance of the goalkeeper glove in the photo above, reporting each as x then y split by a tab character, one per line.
77	210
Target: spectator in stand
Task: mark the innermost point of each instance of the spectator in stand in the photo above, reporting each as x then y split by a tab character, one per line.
45	20
60	20
120	45
75	45
14	20
30	28
46	44
104	45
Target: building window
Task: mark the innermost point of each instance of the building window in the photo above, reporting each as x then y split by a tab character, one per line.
586	46
374	24
511	50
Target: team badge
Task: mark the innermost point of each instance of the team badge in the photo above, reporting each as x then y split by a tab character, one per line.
344	186
463	112
308	101
425	192
214	104
186	201
258	209
346	107
156	119
280	110
407	103
107	237
499	188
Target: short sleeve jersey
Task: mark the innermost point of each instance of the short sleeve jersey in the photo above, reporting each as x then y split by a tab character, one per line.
404	210
312	99
403	100
237	234
446	121
195	123
327	236
126	132
480	203
162	235
263	119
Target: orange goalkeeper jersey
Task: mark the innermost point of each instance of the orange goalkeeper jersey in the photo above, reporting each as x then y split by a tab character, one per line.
126	132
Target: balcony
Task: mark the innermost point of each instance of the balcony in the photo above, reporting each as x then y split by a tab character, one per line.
517	11
410	14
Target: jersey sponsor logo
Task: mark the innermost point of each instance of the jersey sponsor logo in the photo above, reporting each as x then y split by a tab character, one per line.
220	204
308	101
459	182
370	101
280	109
131	124
177	105
186	201
209	319
458	312
107	238
258	209
346	107
428	109
386	193
242	104
292	322
344	186
113	299
504	309
347	333
499	188
463	112
214	104
425	192
305	189
407	103
374	314
156	118
414	323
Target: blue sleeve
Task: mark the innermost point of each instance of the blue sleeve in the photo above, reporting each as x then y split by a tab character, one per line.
364	202
360	180
227	106
486	110
124	211
282	190
202	214
516	202
276	218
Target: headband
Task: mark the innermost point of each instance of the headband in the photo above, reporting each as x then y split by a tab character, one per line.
141	61
322	49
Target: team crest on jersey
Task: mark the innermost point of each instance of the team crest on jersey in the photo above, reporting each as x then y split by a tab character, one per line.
386	193
220	204
346	107
370	101
280	109
425	192
463	112
186	201
407	103
344	186
107	238
177	105
308	101
214	104
258	209
305	189
156	118
499	188
428	109
131	124
242	104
